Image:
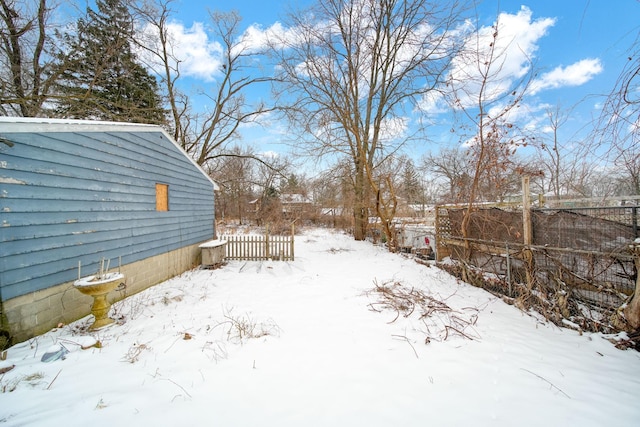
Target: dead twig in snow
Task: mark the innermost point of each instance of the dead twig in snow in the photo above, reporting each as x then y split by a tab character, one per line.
182	388
547	381
134	352
408	342
53	380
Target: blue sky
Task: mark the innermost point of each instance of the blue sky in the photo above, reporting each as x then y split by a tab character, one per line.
579	47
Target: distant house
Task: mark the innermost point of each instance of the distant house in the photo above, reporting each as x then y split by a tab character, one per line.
296	206
288	206
75	192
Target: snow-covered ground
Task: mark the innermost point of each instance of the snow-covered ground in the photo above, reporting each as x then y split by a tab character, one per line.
309	343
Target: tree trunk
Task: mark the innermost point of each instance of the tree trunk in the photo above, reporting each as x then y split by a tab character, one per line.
386	210
360	211
360	223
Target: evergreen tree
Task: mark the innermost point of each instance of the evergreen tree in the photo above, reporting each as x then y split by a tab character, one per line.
411	187
102	78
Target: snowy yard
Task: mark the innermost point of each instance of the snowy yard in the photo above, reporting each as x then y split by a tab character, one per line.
309	343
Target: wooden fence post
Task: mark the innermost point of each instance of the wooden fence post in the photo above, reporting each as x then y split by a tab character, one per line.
632	310
442	250
527	231
293	233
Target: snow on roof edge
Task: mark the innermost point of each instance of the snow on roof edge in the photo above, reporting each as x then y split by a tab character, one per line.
74	123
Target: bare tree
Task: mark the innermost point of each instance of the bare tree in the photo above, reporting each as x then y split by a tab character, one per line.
158	43
350	72
269	173
449	165
332	191
231	109
206	135
486	100
568	169
236	176
399	189
245	175
26	63
552	151
628	160
619	126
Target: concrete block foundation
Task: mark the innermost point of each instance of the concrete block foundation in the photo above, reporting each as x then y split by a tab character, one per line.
35	313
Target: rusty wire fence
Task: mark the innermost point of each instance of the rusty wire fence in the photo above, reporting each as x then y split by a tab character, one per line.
587	251
577	258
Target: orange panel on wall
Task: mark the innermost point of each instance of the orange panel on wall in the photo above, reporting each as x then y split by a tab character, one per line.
162	197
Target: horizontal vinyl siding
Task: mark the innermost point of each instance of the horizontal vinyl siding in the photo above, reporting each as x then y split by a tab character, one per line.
67	197
102	158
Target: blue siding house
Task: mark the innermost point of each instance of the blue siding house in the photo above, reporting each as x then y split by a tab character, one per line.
74	192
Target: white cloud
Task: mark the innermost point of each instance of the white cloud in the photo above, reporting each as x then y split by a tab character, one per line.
270	154
198	56
572	75
433	102
505	58
516	42
256	38
514	50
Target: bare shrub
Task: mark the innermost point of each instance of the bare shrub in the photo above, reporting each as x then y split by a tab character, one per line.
134	352
8	386
440	320
215	350
132	307
243	327
558	306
